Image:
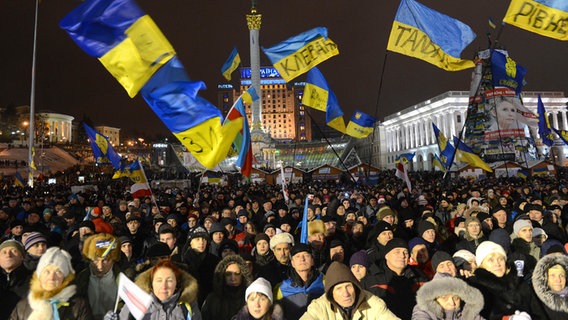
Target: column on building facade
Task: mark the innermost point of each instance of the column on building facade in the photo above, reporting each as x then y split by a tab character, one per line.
412	140
407	136
555	118
564	120
453	123
417	133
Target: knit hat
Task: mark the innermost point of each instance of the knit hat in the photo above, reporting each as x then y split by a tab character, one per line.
228	244
501	237
261	236
359	257
382	226
227	221
16	223
300	247
383	212
124	239
486	248
336	243
424	225
33	238
158	249
279	238
57	257
88	224
472	219
268	226
439	257
395	243
198	232
539	232
521	223
260	285
101	245
414	242
316	226
481	216
463	254
13	243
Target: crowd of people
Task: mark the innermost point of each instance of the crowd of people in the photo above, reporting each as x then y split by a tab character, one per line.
447	249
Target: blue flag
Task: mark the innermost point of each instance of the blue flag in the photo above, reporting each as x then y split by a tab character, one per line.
102	149
506	72
304	231
319	96
447	151
360	125
231	64
544	130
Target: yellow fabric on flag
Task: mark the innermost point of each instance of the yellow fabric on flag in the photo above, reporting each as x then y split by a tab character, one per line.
139	56
338	124
538	18
357	131
413	42
315	97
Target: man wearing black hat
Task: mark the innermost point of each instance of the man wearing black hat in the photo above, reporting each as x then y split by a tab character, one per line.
303	285
200	262
14	277
136	235
536	214
395	281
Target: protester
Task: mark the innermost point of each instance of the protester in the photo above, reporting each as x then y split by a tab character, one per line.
14	276
52	281
35	246
549	283
200	262
344	298
259	303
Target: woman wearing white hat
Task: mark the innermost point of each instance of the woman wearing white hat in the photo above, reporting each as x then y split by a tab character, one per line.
259	303
51	296
504	293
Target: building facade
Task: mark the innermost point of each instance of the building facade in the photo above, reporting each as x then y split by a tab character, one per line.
113	134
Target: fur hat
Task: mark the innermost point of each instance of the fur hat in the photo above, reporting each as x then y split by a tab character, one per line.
279	238
13	243
260	285
33	238
486	248
57	257
521	223
101	245
316	226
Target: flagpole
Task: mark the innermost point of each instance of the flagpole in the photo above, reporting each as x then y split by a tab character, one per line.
379	92
32	101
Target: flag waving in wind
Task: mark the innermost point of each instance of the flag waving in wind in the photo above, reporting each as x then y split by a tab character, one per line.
402	166
231	64
544	130
132	171
545	17
426	34
446	149
137	300
465	154
102	149
300	53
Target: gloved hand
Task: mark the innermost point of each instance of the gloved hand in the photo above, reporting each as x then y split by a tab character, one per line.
520	316
111	316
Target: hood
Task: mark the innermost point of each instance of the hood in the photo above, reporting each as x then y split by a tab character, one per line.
472	299
187	282
339	273
540	282
219	275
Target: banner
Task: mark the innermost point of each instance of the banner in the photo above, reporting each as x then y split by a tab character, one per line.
548	18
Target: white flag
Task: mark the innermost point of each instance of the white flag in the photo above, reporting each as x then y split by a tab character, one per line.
135	298
284	188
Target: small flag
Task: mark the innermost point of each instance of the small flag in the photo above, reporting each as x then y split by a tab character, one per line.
545	17
447	151
563	134
132	171
304	231
544	130
32	162
465	154
361	125
523	174
137	300
19	180
317	94
102	149
506	72
300	53
242	142
231	64
402	166
437	162
428	35
491	23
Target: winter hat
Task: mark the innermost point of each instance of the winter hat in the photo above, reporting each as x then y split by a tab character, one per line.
539	232
227	221
424	225
472	219
521	223
158	249
279	238
268	226
101	245
395	243
414	242
300	247
261	236
439	257
16	223
33	238
383	212
481	216
198	232
359	257
316	226
486	248
228	244
501	237
463	254
13	243
88	224
124	239
57	257
336	243
382	226
260	285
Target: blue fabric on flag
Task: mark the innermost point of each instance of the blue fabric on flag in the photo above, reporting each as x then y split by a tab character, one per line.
544	130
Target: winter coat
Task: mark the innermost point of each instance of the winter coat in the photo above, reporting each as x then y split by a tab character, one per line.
176	307
224	302
13	287
555	304
503	296
367	305
427	308
294	295
71	306
277	314
202	267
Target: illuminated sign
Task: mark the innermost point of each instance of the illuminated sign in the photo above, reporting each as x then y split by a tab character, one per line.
265	72
225	86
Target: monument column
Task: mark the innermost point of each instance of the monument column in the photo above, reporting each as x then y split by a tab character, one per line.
254	20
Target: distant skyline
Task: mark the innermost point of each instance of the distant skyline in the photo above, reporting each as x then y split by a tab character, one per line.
204	33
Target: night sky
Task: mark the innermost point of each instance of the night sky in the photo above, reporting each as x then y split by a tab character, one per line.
204	32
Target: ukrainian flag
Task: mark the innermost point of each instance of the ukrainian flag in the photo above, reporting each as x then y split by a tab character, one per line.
132	171
102	149
19	180
316	92
563	134
506	72
124	39
447	151
544	130
361	125
545	17
426	34
465	154
298	54
231	64
437	163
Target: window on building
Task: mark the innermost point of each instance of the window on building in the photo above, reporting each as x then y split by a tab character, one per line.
459	118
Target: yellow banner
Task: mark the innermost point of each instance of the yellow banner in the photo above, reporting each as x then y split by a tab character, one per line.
306	58
315	97
538	18
412	42
136	58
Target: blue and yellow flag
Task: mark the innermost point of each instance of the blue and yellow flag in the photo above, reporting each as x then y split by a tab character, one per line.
334	116
304	230
124	39
465	154
231	64
523	174
19	180
491	23
360	125
563	134
298	54
317	94
132	171
250	96
426	34
506	72
447	151
437	163
545	17
544	130
102	149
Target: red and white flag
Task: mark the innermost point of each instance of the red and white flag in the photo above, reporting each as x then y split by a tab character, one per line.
135	298
138	190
